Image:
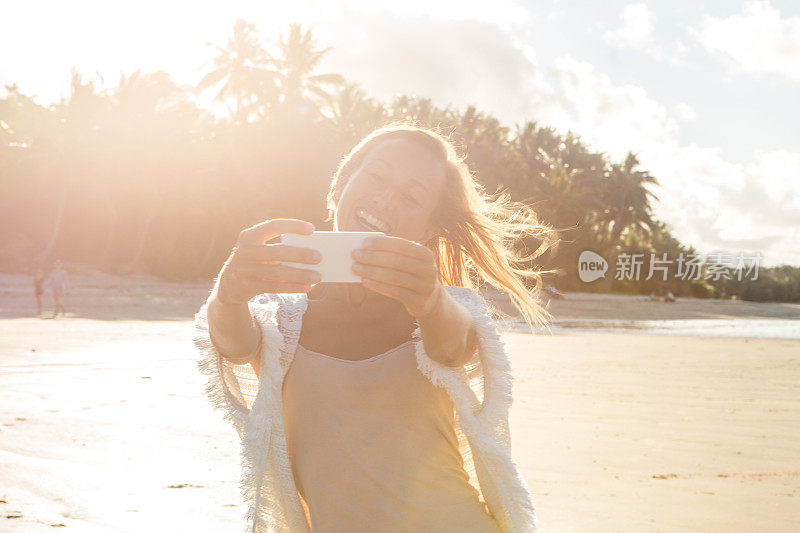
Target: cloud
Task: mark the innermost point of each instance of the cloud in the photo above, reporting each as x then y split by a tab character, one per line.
617	117
458	62
714	203
711	203
756	41
637	31
684	111
506	14
638	25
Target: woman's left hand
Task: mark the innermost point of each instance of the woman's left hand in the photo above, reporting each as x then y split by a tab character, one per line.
400	269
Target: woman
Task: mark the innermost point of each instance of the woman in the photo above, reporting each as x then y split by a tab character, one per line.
379	406
39	279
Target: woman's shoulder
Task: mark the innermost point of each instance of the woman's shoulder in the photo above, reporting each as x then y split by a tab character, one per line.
468	297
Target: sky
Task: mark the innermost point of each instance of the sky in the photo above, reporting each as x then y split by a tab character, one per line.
706	93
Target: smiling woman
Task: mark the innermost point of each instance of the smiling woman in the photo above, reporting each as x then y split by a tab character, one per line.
380	405
472	236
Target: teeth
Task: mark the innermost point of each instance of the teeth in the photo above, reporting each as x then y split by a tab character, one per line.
375	222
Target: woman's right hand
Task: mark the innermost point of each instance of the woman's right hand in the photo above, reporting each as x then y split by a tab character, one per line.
255	268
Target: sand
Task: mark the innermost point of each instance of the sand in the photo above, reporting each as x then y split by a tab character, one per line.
104	425
643	433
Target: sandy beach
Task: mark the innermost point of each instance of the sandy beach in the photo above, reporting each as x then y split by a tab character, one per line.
104	425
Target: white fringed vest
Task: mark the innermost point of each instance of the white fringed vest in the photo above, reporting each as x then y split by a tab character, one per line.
480	390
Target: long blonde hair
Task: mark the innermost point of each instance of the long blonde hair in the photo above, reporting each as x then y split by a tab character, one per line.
477	233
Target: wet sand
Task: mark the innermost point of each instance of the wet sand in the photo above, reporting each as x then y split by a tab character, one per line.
104	425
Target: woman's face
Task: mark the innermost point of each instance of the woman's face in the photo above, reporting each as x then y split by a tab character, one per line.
395	191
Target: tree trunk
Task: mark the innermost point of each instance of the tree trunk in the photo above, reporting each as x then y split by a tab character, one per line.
133	265
608	280
111	226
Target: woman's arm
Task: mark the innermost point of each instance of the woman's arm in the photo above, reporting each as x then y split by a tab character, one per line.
448	332
255	268
232	329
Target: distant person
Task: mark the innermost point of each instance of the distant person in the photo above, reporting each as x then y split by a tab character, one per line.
669	297
39	280
553	293
59	283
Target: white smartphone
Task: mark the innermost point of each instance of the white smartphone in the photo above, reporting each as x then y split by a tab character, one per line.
336	248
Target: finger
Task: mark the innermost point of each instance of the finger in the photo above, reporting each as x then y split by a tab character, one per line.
274	253
398	245
393	277
269	229
281	273
385	259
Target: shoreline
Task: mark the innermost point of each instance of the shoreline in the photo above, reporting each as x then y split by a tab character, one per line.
109	297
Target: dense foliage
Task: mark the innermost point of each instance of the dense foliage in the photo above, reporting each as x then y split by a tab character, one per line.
138	178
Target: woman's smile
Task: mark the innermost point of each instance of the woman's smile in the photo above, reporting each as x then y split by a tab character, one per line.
371	221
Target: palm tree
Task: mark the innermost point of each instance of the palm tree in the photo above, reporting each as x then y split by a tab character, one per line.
415	109
143	102
534	150
298	57
244	67
627	199
73	130
139	92
486	142
354	114
560	172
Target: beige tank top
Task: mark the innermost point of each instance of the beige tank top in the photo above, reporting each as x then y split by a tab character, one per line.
373	447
